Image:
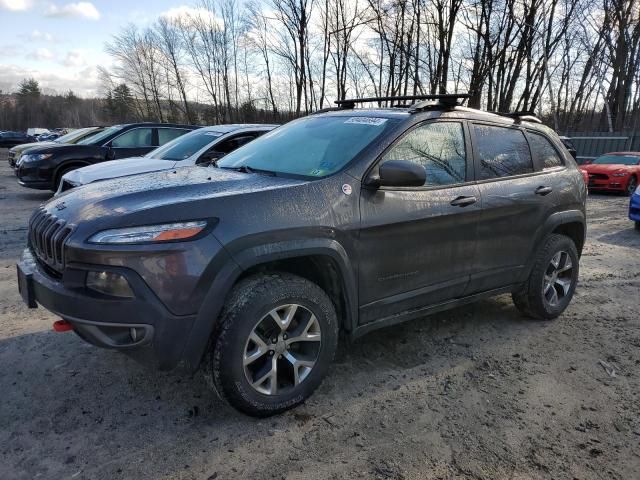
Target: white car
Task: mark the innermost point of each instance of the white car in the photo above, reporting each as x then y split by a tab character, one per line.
199	147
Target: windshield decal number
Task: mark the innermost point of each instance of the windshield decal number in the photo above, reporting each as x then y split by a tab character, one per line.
374	121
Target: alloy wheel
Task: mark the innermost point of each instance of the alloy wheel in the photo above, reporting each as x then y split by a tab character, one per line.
558	278
282	349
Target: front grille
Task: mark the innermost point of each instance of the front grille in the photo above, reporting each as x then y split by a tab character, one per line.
47	236
598	176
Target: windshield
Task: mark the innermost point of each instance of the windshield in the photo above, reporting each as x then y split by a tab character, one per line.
93	139
310	147
184	146
73	135
617	160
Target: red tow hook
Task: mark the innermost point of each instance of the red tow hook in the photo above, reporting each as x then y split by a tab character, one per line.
62	326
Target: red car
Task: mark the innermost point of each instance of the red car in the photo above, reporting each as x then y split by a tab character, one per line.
614	172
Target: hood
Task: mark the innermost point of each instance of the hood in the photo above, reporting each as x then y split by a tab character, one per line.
605	168
23	146
55	147
117	168
168	190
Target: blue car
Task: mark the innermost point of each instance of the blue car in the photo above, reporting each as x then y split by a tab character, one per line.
634	208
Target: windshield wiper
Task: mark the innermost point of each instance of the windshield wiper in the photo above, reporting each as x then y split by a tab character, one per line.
248	169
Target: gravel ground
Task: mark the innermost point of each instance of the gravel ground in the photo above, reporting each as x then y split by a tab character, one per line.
477	392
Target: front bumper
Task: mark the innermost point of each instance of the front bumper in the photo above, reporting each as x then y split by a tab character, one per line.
141	326
35	175
634	207
613	184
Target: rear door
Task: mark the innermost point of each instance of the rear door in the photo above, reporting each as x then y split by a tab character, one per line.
515	203
133	143
417	243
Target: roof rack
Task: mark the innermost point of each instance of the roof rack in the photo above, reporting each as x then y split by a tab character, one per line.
523	115
440	100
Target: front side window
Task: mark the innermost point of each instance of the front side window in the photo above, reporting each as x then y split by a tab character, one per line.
548	155
136	138
314	146
437	147
503	152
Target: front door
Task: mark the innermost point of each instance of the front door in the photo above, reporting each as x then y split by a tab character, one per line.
133	143
417	244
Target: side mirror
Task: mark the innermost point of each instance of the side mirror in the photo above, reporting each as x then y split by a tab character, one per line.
208	158
399	173
111	153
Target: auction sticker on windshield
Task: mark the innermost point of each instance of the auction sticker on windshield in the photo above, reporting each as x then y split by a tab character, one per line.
375	121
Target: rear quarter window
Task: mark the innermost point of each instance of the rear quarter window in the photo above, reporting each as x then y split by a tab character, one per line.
502	152
546	153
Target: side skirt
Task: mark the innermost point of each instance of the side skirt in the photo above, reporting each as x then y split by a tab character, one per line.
427	310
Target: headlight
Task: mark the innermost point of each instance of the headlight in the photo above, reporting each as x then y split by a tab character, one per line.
150	233
620	174
35	158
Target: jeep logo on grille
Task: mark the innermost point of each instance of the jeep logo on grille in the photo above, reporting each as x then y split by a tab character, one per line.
61	206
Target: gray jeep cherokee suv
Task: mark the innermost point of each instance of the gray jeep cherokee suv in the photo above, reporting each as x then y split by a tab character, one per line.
346	220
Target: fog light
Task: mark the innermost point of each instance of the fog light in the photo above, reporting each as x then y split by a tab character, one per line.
109	283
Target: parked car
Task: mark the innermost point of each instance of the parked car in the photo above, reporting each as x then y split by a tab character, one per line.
43	168
11	139
347	220
72	137
615	172
199	147
34	132
47	137
634	208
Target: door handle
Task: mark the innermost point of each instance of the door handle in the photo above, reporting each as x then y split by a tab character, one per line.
463	201
543	191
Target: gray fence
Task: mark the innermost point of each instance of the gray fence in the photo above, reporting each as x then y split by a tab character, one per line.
593	144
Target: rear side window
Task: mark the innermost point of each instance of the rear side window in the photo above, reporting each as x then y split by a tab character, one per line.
543	149
439	148
167	134
231	144
138	137
502	152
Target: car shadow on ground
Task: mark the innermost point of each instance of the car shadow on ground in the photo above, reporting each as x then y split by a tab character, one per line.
58	389
53	369
629	237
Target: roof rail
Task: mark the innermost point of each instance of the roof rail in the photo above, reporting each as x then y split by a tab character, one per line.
443	100
523	115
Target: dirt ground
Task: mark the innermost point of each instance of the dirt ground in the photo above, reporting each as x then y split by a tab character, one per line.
478	392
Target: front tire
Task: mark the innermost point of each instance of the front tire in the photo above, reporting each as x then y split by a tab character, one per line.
278	335
552	281
632	185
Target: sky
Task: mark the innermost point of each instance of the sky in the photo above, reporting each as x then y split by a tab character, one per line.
61	43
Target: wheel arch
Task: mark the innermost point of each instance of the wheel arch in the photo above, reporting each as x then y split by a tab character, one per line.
322	261
65	167
571	223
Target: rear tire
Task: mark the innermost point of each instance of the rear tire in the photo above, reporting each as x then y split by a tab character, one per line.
552	281
277	337
632	185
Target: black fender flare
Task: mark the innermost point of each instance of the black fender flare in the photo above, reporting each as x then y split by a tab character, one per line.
552	222
207	316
